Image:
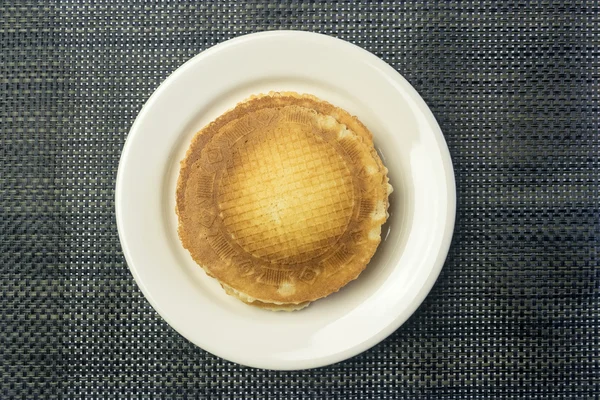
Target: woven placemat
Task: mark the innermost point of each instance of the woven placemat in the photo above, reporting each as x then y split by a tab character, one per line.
515	312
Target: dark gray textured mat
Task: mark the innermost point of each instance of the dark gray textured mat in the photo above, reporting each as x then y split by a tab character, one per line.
515	312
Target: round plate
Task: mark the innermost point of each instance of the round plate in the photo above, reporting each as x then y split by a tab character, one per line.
416	237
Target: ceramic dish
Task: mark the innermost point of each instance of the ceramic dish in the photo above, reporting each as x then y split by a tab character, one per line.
415	238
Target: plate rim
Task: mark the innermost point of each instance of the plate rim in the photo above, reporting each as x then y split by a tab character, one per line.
444	153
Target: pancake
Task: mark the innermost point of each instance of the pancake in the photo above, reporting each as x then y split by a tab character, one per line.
281	199
267	306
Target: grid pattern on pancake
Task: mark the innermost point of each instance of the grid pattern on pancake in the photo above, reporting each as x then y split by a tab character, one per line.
256	182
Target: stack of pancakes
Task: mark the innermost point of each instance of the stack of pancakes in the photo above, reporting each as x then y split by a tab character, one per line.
281	199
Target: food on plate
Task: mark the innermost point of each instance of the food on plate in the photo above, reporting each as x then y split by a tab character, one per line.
282	199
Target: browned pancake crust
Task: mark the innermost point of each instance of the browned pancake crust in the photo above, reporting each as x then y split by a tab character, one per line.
282	198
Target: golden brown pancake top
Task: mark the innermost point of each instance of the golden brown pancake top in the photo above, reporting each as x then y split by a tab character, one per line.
282	198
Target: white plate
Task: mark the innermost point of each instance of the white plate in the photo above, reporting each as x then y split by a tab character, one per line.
417	235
